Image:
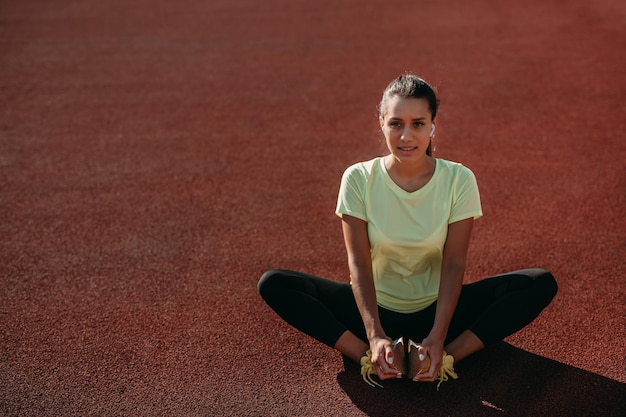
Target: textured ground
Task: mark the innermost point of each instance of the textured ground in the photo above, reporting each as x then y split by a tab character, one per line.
156	157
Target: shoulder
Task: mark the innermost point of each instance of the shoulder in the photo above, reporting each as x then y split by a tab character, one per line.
455	170
361	170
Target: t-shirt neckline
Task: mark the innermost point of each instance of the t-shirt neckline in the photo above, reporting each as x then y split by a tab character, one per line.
401	191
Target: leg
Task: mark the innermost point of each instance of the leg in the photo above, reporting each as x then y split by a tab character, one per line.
494	308
464	345
351	346
322	308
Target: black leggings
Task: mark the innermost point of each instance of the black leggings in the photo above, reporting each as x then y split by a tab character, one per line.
492	309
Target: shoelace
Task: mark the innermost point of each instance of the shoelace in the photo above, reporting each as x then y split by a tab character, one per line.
447	368
367	369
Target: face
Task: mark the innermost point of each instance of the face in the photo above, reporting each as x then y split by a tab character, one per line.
407	125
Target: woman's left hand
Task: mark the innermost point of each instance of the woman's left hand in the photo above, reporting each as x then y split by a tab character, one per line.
434	349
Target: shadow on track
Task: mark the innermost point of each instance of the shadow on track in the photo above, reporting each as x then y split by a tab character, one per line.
499	381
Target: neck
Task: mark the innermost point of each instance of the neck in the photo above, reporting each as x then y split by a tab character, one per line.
414	169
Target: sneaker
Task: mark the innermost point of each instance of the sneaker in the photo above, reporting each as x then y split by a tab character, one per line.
399	356
418	363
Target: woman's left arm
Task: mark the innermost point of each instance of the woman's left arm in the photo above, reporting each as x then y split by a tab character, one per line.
452	271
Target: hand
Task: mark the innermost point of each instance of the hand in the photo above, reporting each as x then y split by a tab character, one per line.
382	358
433	349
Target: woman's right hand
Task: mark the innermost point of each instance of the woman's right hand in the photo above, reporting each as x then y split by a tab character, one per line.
382	358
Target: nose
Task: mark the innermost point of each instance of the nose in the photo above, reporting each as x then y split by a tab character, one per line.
406	134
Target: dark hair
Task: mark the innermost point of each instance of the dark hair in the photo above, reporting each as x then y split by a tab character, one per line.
409	86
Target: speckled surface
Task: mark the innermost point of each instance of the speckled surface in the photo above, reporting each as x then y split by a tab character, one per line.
156	157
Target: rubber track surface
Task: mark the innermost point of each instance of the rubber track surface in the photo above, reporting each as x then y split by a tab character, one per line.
157	156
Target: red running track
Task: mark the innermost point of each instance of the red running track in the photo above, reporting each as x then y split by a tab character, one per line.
156	157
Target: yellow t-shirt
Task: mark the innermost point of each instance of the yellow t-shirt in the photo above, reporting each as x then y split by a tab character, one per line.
407	231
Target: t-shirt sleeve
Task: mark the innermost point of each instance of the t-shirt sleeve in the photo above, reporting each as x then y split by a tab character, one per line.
465	197
351	198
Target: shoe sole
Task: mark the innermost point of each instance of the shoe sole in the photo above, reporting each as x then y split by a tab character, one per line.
399	356
416	365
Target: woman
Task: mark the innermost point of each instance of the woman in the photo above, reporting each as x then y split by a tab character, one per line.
407	220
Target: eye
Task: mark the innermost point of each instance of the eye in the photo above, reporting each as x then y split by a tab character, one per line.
393	124
418	124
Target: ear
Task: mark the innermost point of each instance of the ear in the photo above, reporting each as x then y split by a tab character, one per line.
381	121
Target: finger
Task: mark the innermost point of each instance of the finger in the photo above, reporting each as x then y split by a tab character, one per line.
385	371
423	352
389	355
388	373
385	357
395	364
419	365
431	374
378	358
434	369
425	377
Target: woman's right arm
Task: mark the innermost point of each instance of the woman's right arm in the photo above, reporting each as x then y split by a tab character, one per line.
360	265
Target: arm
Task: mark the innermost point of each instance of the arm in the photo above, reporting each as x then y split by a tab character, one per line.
360	265
452	271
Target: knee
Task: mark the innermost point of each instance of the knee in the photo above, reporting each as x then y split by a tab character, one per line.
268	282
547	284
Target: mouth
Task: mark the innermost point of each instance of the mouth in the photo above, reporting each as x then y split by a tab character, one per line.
407	148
